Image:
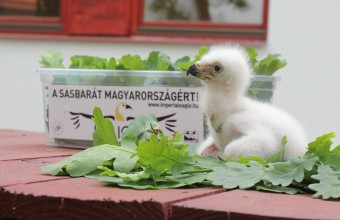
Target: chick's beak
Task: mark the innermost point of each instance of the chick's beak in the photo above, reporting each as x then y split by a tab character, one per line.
201	71
193	70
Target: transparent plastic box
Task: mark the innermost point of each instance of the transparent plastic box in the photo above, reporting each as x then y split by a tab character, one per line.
69	96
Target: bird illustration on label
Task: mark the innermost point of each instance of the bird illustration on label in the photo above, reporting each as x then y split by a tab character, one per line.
120	115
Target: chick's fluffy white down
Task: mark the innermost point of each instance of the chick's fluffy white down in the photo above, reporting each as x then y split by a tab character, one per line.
240	126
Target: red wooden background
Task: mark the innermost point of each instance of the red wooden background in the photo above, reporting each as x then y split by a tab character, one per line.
93	17
125	18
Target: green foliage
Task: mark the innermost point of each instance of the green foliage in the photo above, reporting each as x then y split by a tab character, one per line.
129	62
279	156
329	185
284	173
155	61
141	128
51	59
266	186
267	66
162	156
146	159
237	175
105	132
88	160
322	145
88	62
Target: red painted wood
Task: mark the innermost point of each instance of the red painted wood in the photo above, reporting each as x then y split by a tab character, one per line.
13	137
24	171
92	17
246	204
24	145
65	195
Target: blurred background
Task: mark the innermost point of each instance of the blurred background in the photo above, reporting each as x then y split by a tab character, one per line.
305	32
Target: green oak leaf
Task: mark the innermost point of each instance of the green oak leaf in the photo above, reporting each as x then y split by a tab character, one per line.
329	185
141	127
88	160
332	160
284	173
246	160
162	156
187	179
208	162
105	132
322	145
278	156
237	175
277	189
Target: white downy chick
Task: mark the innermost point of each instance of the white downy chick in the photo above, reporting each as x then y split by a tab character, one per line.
238	125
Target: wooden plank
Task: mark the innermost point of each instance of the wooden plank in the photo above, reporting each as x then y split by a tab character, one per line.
13	137
84	198
16	145
246	204
23	171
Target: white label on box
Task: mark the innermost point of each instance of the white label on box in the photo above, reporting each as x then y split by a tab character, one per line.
71	107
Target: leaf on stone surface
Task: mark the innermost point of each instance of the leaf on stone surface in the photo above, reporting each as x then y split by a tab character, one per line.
105	132
329	185
162	156
284	173
237	175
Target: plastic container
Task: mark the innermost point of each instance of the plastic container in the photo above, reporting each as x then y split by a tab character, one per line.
70	95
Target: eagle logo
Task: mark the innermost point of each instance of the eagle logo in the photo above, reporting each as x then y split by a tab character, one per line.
122	109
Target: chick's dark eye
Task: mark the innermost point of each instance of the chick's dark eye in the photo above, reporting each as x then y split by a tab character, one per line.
217	68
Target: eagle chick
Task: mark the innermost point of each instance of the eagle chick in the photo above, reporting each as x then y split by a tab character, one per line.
238	125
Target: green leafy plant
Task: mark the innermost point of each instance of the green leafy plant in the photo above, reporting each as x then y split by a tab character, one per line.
147	159
52	59
155	61
267	66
